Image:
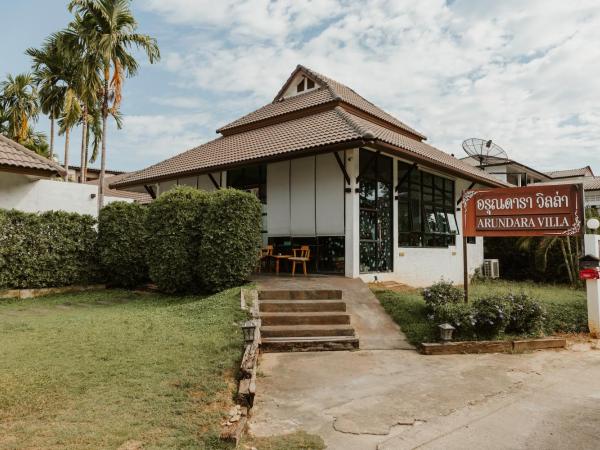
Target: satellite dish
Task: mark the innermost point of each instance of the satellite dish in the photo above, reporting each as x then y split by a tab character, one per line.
484	151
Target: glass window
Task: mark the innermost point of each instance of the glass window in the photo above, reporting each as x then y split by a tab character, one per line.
426	209
300	86
250	179
310	83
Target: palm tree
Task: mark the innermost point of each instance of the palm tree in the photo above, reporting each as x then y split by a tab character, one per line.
20	104
107	29
541	247
47	70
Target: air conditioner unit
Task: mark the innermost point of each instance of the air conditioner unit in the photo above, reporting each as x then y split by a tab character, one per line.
491	268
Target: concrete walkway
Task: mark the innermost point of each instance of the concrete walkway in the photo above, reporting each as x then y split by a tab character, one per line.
393	398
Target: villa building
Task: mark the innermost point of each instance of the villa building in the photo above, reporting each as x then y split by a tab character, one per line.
333	171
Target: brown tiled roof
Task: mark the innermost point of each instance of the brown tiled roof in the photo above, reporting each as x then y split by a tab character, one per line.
138	197
310	133
16	156
581	172
330	91
589	183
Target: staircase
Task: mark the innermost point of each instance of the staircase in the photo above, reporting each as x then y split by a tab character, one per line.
305	320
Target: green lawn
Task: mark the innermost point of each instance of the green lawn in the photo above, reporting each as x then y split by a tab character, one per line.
115	368
565	307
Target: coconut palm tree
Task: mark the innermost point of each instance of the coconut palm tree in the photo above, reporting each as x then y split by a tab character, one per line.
20	104
47	71
107	29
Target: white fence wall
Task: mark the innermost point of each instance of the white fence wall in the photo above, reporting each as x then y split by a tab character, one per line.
27	194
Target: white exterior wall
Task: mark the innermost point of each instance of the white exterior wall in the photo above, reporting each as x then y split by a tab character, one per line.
29	194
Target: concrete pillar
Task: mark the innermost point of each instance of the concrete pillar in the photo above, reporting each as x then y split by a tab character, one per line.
395	248
592	247
352	232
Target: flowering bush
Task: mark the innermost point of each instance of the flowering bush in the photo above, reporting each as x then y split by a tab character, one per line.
527	314
442	293
460	315
491	314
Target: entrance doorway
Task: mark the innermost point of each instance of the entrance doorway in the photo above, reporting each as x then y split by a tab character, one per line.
376	205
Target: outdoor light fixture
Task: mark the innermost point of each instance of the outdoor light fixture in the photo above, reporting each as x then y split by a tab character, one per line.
593	223
446	331
249	329
92	196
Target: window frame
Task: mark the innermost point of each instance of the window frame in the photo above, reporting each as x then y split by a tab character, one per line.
426	203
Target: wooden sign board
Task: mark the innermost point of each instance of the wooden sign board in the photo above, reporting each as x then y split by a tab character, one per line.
548	210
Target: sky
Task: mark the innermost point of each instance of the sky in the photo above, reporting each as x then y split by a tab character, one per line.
523	73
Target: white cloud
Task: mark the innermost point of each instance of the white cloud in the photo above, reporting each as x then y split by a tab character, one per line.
521	73
147	139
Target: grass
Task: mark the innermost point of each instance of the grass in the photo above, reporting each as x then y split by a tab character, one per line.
117	369
565	307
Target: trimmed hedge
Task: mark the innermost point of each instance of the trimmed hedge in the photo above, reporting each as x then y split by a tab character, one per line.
122	242
202	241
231	239
174	234
50	249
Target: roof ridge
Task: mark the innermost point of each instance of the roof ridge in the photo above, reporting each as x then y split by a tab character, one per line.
33	154
364	132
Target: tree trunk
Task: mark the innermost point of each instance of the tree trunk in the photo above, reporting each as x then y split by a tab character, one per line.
51	137
567	258
67	133
103	149
86	152
83	139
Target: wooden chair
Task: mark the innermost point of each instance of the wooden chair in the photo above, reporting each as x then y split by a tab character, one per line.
301	256
265	255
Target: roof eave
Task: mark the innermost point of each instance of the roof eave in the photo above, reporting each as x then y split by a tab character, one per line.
337	146
30	170
429	162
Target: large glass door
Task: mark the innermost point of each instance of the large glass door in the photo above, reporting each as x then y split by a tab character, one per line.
376	203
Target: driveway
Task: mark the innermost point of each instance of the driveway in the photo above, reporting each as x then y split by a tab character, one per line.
394	398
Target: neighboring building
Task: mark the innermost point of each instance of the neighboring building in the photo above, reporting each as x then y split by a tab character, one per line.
139	197
509	171
91	173
518	174
336	172
29	182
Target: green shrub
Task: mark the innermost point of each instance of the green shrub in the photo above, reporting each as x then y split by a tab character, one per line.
566	317
122	242
460	315
441	293
526	314
231	239
174	234
50	249
491	314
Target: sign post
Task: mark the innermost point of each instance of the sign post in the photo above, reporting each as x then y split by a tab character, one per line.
548	210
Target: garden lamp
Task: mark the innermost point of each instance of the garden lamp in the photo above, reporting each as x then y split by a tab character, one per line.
249	328
446	331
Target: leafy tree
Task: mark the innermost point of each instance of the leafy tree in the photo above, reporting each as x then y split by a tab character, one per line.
19	104
107	31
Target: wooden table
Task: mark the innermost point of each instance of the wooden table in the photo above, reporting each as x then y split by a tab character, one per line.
277	259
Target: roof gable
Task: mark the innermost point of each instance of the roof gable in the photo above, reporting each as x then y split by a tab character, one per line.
287	104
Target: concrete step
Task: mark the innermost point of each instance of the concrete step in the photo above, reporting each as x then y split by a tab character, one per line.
302	306
291	331
309	344
304	318
301	294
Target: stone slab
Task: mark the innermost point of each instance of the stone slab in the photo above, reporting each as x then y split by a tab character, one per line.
453	348
539	344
